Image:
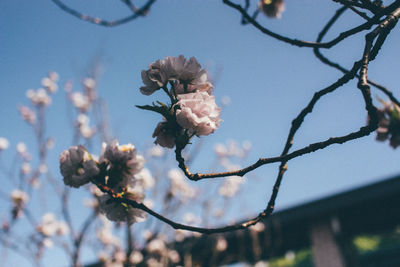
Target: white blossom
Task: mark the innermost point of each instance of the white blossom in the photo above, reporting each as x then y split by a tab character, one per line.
43	168
136	257
230	186
185	71
150	86
119	256
149	203
179	186
27	114
77	167
190	218
4	144
50	143
39	97
80	101
19	198
121	212
258	227
89	83
90	88
198	113
62	228
50	85
156	245
145	178
186	75
105	235
26	168
47	242
125	159
156	151
226	100
48	226
53	76
21	148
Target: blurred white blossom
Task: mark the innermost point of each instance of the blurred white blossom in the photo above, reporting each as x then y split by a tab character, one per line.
27	114
80	101
136	257
156	245
179	185
39	97
49	226
156	151
50	85
4	144
230	186
145	178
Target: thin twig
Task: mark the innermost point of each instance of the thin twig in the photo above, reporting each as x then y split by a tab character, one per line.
98	21
300	43
337	66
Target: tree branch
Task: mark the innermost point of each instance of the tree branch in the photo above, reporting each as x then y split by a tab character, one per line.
112	23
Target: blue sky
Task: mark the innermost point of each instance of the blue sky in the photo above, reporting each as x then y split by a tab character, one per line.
269	82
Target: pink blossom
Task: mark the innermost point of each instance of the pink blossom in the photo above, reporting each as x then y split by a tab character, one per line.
119	212
27	114
186	76
77	167
198	113
123	158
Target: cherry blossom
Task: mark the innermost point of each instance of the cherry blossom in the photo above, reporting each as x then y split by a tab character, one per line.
198	113
77	167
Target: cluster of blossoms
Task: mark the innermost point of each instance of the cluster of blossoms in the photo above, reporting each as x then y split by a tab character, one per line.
389	124
39	98
192	111
118	168
50	227
272	8
83	101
